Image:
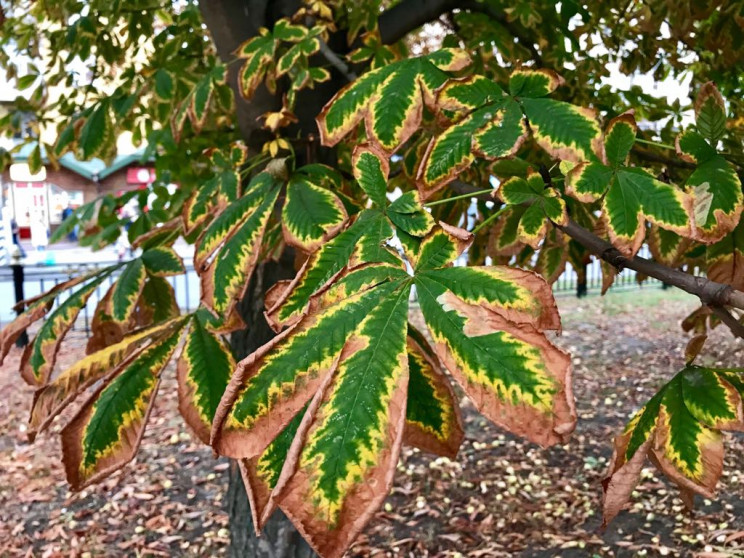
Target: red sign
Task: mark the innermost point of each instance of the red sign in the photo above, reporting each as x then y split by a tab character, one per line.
140	175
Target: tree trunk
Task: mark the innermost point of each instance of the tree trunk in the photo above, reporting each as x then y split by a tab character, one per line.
279	539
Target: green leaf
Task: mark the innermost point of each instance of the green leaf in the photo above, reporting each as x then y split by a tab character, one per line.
680	429
96	134
39	357
126	290
204	369
710	113
162	261
619	139
106	432
714	186
311	214
164	84
371	169
433	420
392	97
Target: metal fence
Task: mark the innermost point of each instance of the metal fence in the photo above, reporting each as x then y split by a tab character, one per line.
39	278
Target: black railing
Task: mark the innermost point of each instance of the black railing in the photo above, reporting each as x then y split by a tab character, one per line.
31	280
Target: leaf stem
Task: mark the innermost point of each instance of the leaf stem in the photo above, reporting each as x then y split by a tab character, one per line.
490	218
656	144
461	197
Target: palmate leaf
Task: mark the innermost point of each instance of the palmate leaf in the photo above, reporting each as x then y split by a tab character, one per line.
679	429
52	398
541	205
714	184
493	125
106	431
631	195
349	353
361	242
390	99
40	355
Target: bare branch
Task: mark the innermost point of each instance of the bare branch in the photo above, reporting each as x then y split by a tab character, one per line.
712	293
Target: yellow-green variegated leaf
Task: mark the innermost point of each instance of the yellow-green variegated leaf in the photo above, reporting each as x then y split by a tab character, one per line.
198	208
343	458
11	332
390	99
233	216
371	169
533	83
487	325
725	259
258	53
36	307
631	196
564	131
542	205
667	247
492	131
370	229
270	386
433	420
680	430
311	214
126	291
51	399
226	278
162	261
503	240
106	432
39	357
634	196
204	368
552	257
714	186
408	214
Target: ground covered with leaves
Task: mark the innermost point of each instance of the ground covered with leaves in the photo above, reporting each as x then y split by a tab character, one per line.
500	497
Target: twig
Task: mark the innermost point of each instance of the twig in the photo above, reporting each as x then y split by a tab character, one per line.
336	61
727	318
460	197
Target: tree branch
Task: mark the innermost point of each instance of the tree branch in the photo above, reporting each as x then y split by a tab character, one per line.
408	15
727	318
712	293
336	61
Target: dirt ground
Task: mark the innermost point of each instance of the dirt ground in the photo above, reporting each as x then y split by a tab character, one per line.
500	497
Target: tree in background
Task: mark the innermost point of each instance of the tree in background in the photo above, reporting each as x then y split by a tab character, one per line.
326	156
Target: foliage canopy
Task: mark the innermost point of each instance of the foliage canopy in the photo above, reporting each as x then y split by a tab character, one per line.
506	94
